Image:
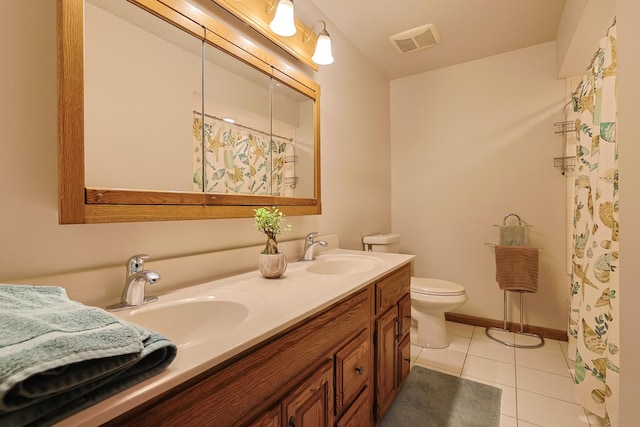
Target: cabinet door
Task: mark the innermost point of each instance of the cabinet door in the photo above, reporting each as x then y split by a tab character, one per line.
404	361
386	330
311	403
271	418
359	414
404	315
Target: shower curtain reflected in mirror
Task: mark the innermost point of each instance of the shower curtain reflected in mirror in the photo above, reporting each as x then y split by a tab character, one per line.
594	316
240	160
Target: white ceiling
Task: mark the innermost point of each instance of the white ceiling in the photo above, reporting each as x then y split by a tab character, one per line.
470	29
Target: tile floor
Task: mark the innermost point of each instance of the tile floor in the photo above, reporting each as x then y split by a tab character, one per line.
537	388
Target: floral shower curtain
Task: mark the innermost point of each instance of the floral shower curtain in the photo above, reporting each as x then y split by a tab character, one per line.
593	323
237	159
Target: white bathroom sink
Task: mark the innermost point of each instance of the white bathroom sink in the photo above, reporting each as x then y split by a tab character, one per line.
191	320
344	264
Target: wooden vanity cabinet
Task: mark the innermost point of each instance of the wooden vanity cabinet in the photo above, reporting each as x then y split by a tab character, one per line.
311	403
341	367
287	380
392	343
271	418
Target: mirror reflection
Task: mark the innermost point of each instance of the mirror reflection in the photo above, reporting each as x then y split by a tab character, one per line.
293	120
166	111
236	155
143	79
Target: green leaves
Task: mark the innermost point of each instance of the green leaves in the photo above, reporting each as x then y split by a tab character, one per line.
269	221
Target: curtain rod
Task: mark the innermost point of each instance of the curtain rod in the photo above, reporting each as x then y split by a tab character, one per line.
243	126
595	55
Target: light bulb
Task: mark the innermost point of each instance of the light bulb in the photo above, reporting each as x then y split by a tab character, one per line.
282	23
323	55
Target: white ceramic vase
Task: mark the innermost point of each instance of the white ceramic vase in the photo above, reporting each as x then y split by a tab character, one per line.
272	266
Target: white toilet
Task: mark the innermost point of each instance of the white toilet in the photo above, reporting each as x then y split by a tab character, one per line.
430	298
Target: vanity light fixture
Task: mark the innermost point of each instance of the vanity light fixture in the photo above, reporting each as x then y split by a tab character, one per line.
282	23
322	55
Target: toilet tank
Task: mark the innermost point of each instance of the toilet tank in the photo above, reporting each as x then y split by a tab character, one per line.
382	243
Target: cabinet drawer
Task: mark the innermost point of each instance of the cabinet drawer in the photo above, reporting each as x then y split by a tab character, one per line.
352	369
359	414
392	288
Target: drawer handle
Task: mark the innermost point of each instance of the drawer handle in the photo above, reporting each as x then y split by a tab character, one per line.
292	422
359	370
408	360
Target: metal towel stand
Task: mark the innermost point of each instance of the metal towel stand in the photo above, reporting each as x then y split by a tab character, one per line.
522	332
504	326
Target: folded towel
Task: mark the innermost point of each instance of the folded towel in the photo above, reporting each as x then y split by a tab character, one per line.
59	356
517	268
513	235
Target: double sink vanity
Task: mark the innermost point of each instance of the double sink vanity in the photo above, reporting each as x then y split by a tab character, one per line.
326	344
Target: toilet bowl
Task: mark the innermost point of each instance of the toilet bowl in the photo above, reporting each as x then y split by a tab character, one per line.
430	300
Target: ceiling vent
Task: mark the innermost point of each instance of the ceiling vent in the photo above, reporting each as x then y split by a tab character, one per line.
416	39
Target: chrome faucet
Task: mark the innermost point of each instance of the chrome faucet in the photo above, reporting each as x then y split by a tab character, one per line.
310	242
135	280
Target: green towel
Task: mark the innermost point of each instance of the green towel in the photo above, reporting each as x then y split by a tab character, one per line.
513	235
59	356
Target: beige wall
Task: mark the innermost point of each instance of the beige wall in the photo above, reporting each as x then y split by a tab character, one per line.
355	143
582	25
628	13
470	144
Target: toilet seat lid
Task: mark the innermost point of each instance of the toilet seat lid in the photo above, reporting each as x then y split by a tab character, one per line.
427	286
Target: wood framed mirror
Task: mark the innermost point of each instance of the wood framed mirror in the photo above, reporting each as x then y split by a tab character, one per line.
165	113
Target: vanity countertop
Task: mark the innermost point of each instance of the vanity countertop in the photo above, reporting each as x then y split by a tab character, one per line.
283	302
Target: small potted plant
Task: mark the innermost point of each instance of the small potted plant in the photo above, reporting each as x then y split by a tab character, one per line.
273	263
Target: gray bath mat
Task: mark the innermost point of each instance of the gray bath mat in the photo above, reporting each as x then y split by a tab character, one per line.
433	399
